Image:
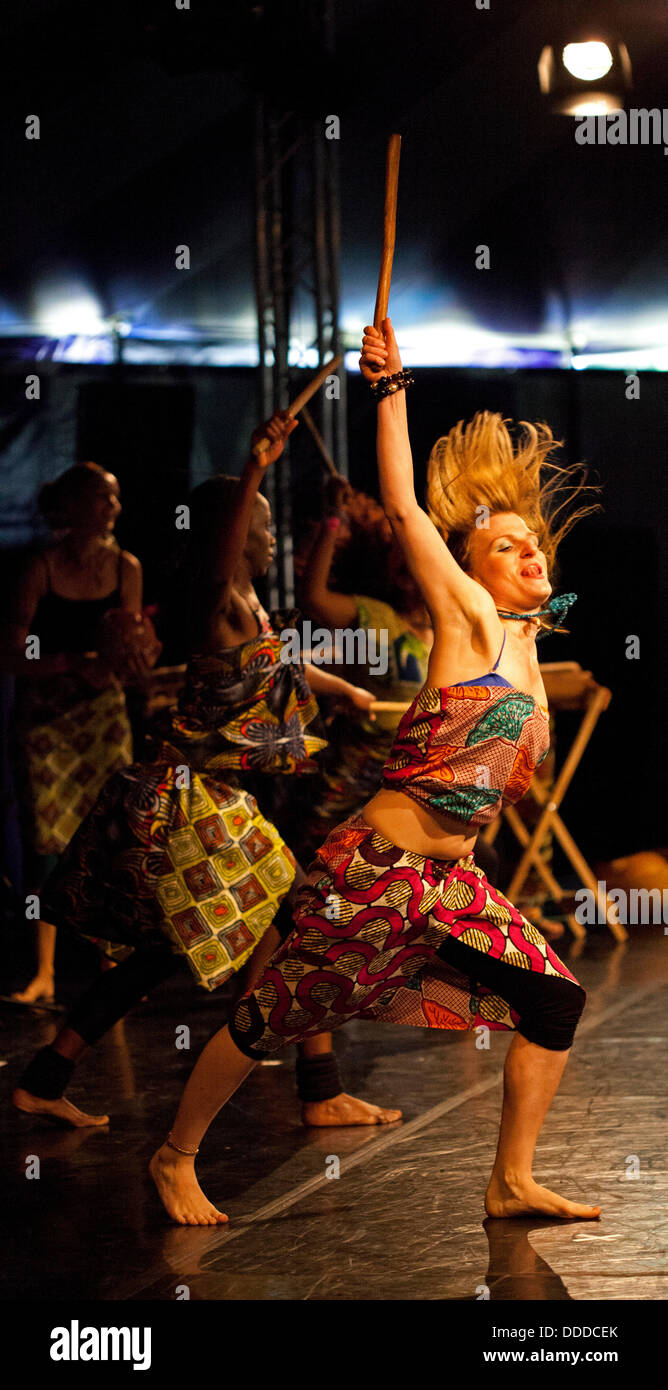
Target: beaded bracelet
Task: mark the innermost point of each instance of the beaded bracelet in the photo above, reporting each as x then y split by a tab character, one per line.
389	384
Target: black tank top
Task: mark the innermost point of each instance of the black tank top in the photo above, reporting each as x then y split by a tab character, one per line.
71	624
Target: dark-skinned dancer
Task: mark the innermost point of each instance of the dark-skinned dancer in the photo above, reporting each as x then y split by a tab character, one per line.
251	757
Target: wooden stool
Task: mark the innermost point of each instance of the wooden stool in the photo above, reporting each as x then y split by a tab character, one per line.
596	699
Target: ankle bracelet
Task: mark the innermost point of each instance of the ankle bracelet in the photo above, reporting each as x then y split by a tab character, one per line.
177	1147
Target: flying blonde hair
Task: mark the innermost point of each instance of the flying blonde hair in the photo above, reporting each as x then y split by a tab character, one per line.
478	464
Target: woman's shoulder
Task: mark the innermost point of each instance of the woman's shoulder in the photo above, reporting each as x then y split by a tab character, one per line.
129	561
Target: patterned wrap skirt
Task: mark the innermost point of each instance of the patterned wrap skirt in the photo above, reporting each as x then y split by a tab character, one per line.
70	740
368	925
168	852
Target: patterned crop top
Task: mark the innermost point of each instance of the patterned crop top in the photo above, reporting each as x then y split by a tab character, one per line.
465	749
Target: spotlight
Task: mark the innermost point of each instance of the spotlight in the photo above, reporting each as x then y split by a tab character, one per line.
586	74
69	310
588	61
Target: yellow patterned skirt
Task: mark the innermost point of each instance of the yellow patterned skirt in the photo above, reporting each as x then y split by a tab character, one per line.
65	760
167	851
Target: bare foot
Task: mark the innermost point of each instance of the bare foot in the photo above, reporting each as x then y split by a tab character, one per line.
346	1110
508	1196
179	1190
40	988
60	1111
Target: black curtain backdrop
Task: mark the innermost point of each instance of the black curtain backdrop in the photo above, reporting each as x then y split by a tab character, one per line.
143	434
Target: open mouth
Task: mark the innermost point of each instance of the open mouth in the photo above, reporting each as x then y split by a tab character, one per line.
531	572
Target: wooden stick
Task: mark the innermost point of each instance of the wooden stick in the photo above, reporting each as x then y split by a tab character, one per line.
304	396
389	228
389	706
319	442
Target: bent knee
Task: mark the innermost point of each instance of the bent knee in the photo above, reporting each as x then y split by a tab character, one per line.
552	1020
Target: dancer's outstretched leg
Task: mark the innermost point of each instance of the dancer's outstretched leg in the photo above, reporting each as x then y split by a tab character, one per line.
548	1009
40	1090
531	1077
217	1074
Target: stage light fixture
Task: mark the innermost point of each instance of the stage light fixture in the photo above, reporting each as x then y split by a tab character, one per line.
588	73
588	61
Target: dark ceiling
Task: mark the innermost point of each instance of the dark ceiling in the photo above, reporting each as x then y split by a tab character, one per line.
147	127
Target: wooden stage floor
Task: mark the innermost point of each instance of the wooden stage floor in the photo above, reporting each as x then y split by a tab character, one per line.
404	1219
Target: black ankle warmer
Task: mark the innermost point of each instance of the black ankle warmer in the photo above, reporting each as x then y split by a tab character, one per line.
47	1075
318	1078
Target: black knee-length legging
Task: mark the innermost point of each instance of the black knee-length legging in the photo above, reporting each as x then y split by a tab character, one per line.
549	1006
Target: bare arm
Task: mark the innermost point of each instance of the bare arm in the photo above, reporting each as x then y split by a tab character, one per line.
325	683
450	594
220	562
230	542
336	610
132	583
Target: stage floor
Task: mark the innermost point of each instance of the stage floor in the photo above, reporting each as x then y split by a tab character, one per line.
404	1219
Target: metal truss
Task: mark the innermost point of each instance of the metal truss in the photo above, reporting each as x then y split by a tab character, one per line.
297	292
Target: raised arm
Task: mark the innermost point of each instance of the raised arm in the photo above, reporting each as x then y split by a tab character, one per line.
229	543
448	592
336	610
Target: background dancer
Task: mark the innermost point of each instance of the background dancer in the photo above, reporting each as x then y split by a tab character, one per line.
248	695
373	592
191	857
395	894
71	728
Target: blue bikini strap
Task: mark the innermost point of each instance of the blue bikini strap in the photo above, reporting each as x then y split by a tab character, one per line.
500	653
